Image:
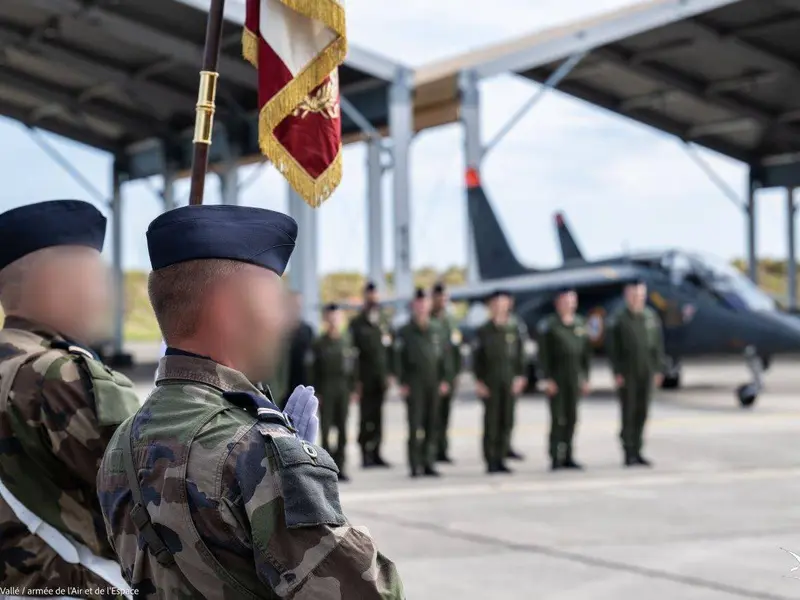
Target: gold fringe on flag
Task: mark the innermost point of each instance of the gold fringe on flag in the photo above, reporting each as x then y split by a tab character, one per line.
331	14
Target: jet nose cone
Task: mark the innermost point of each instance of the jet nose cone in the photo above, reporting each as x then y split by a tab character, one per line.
782	333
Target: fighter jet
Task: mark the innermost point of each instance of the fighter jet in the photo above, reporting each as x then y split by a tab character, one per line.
707	307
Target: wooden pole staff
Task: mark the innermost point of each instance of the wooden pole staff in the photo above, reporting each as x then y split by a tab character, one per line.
206	96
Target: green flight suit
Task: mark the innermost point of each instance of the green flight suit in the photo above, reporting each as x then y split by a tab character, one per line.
564	357
371	336
636	352
498	357
422	363
333	373
452	345
514	321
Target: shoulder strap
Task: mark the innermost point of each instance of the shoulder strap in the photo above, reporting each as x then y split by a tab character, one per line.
141	517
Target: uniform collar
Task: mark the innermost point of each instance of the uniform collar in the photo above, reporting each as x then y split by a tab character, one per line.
187	367
45	331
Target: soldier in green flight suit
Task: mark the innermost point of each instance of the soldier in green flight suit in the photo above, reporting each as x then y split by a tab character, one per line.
332	366
564	356
515	321
636	352
452	345
422	367
372	338
499	367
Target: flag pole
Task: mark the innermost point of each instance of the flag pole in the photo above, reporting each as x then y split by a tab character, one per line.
206	95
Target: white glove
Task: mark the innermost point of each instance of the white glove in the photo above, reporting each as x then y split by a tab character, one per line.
301	408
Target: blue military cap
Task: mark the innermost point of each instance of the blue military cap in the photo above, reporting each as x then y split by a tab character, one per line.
498	292
370	287
43	225
253	235
564	290
419	294
438	288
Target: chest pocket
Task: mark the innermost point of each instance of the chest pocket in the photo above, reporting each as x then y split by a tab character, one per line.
511	344
115	399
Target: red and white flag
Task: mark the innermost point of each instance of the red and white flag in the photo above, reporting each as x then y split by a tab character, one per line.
297	47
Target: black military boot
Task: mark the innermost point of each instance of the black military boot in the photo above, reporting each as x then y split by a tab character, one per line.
640	460
492	468
569	463
502	468
513	455
630	460
431	472
379	462
443	458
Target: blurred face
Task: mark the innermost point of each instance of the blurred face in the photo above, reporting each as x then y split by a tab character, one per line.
636	297
440	302
71	291
421	307
334	320
371	298
567	303
500	307
252	305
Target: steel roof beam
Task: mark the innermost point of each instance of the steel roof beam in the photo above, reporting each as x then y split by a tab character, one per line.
693	88
59	128
142	36
155	96
49	95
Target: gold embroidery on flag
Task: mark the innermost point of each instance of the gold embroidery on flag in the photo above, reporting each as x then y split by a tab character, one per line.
325	101
250	47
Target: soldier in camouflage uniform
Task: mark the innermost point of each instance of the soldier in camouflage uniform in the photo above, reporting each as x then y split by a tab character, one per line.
564	356
452	345
422	365
334	372
59	405
372	338
636	352
499	367
207	492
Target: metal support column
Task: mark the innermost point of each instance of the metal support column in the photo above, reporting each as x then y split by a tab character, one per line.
229	184
168	193
116	260
375	214
473	153
303	276
791	262
750	218
401	128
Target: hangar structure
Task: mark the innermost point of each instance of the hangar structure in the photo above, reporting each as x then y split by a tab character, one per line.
722	74
122	77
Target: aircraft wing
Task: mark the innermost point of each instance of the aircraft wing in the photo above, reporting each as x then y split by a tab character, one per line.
550	281
541	281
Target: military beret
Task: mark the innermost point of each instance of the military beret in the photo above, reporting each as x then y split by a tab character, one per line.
370	286
419	294
331	307
438	288
46	224
257	236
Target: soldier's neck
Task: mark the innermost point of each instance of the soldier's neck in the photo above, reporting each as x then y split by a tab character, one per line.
567	318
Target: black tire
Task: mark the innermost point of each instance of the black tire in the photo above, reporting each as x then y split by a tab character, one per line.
747	395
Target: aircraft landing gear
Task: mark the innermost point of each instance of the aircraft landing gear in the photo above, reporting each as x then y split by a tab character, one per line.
748	393
672	375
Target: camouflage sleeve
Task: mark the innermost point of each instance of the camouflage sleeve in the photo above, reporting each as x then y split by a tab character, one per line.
303	546
70	419
545	349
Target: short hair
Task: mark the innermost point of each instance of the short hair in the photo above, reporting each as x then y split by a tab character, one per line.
177	291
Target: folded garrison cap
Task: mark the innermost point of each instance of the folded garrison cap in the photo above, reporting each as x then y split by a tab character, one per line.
43	225
258	236
419	293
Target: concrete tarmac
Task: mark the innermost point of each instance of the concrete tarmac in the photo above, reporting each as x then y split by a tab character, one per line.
708	522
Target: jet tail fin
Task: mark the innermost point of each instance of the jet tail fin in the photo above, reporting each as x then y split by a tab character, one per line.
495	257
570	252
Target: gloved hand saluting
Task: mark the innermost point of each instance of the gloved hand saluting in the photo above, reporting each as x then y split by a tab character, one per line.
301	408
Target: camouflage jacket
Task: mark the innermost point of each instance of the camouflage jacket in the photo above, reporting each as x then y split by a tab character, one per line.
61	412
247	509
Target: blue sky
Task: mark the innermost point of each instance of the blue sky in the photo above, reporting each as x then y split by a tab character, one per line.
622	186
